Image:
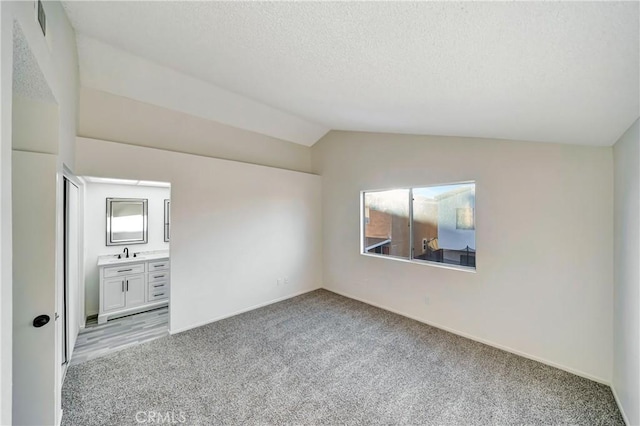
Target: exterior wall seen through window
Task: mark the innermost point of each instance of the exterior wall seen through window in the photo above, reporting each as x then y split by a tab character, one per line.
423	224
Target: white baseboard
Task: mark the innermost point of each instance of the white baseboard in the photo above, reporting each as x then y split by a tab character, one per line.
251	308
624	415
481	340
104	317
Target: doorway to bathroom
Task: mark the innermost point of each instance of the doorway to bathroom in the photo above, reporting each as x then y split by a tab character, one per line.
126	265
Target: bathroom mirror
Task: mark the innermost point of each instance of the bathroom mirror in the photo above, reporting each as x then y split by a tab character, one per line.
167	219
126	221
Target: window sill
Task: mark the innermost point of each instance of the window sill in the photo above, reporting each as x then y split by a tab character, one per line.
424	262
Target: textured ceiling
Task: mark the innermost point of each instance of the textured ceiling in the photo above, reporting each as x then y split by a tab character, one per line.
28	80
542	71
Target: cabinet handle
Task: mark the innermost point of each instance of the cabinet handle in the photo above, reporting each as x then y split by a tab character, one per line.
158	276
158	266
125	270
127	285
158	285
159	294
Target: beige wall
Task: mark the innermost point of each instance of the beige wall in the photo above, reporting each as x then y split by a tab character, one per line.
626	304
115	118
543	285
29	136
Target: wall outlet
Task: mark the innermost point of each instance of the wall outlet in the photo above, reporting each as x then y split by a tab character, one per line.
278	282
286	280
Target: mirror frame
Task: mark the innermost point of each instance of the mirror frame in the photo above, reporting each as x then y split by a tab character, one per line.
167	220
145	231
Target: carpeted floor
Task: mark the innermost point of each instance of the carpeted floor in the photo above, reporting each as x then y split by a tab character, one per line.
324	359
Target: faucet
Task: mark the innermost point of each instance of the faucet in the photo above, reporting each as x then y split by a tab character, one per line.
126	252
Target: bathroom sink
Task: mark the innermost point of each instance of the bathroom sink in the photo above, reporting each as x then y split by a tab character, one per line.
134	256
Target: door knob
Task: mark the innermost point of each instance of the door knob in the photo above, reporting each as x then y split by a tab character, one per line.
40	320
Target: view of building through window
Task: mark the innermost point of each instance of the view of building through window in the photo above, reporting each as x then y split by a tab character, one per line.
387	222
431	224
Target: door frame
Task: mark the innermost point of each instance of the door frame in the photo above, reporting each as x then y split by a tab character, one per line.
65	291
68	174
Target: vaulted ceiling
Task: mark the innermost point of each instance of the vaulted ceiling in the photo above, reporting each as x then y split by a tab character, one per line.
543	71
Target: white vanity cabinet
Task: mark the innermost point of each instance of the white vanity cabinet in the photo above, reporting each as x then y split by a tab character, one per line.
113	294
132	286
158	288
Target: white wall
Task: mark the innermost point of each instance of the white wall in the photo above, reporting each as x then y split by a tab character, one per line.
6	283
58	63
115	118
236	228
95	230
626	308
543	286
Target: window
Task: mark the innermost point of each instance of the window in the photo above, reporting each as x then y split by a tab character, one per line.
386	222
422	224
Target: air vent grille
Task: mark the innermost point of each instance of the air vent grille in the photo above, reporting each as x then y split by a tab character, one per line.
42	18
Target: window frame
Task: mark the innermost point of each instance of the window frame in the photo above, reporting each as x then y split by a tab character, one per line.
410	200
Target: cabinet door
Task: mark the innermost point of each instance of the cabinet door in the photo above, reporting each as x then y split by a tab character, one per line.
113	293
136	289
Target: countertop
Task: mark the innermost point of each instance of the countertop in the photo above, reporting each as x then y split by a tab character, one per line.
142	256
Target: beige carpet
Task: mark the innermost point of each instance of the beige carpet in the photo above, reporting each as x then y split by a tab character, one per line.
324	359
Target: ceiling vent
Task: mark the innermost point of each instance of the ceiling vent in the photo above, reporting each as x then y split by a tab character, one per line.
42	18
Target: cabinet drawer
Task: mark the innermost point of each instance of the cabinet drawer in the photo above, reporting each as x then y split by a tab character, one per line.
158	286
158	276
159	265
114	271
158	294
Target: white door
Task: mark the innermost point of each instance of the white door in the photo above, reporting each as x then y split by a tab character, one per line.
113	293
35	360
135	285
